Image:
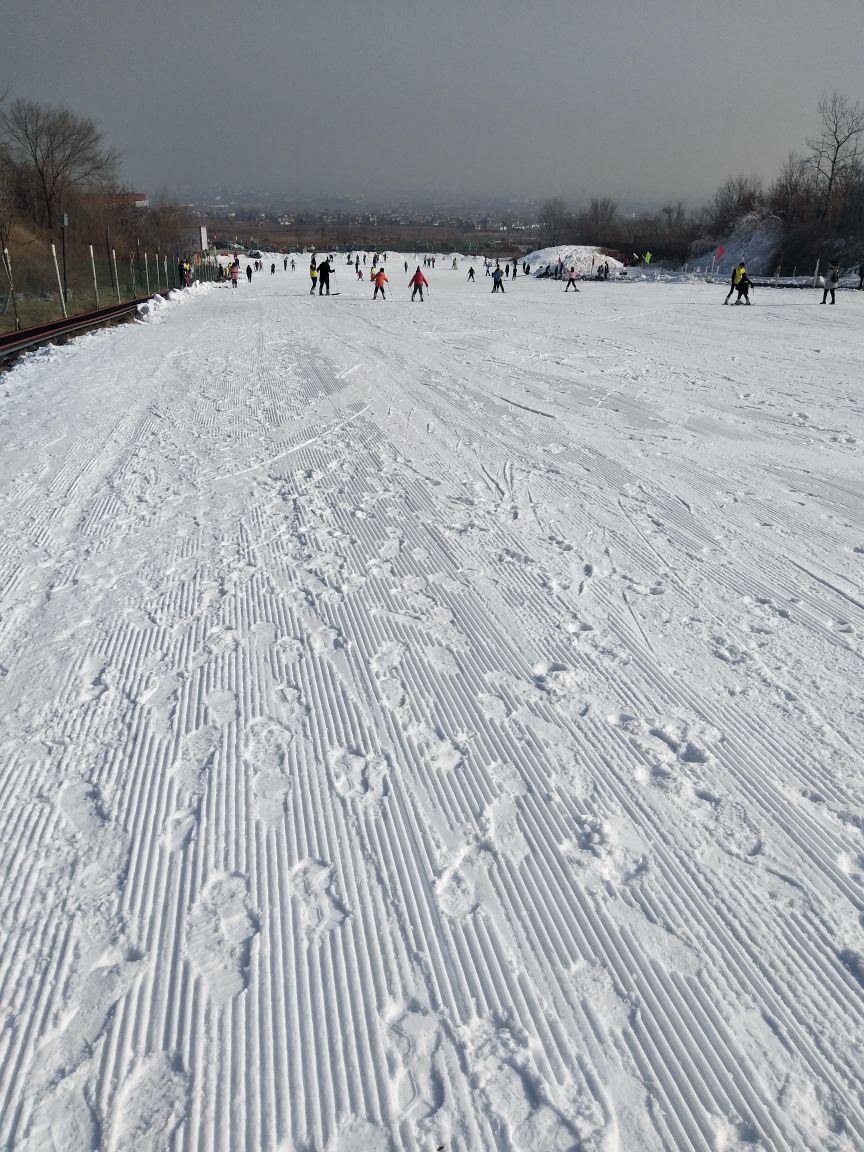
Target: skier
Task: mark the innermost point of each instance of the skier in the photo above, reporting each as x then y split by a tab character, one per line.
471	273
313	274
743	289
418	281
324	271
497	279
235	274
380	281
249	273
571	279
737	273
831	281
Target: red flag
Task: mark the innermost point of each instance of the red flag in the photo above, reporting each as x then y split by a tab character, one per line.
719	252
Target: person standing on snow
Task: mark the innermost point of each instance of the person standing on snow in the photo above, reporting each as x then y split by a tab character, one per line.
417	282
272	269
235	274
285	263
743	289
324	271
737	272
497	279
471	273
249	273
571	279
380	281
313	274
831	282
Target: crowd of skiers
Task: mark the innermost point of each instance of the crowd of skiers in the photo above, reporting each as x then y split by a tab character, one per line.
320	273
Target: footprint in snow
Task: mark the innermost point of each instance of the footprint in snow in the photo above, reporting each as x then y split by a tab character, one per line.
357	776
196	757
151	1104
219	928
312	885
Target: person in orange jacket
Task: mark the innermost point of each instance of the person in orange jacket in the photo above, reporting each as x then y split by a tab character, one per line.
418	281
380	281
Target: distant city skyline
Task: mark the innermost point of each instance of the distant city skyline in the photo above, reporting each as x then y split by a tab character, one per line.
486	101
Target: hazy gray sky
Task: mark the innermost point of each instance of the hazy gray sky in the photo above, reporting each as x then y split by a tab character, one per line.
643	100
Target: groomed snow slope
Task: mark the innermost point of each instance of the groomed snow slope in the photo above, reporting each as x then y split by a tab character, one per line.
435	724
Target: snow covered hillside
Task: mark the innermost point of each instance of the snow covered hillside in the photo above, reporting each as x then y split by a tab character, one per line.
435	725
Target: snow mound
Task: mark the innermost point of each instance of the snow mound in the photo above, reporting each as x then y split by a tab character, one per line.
583	257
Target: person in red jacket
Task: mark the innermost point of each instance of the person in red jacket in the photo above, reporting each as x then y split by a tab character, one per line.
418	281
380	281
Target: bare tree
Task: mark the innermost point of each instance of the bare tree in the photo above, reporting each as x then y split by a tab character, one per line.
734	198
837	147
553	220
602	213
788	194
60	149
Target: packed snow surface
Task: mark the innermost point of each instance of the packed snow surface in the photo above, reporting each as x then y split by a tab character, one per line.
435	725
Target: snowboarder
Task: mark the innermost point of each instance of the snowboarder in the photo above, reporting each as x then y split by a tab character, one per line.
380	281
471	273
249	273
417	282
737	272
324	271
831	282
497	279
313	274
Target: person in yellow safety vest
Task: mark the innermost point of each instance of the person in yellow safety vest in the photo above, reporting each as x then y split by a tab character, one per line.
313	273
737	275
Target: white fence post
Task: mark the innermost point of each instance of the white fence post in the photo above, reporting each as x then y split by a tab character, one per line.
116	277
147	272
816	273
95	284
59	281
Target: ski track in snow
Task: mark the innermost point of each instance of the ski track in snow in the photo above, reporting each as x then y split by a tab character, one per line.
387	765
